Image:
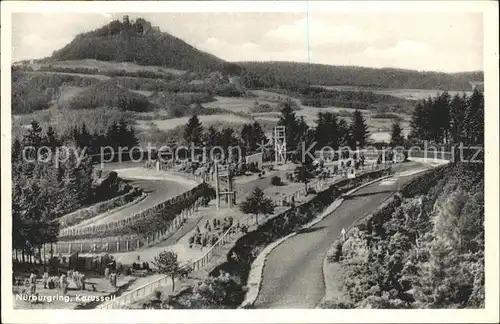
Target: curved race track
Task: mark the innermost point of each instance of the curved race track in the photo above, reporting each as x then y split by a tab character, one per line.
159	186
293	272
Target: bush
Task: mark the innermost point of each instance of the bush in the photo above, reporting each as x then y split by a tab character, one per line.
311	191
80	215
219	292
336	252
143	223
276	181
109	94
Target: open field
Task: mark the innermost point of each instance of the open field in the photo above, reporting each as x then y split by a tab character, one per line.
110	66
170	124
409	94
93	76
235	104
379	127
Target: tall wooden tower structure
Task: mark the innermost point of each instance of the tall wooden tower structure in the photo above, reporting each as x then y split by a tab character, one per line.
224	175
279	145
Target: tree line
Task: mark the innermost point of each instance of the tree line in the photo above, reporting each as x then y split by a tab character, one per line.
271	74
446	120
330	131
46	186
424	250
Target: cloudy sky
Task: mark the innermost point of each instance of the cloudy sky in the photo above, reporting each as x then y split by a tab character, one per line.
448	42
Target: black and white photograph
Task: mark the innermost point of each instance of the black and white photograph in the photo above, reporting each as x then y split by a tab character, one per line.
321	158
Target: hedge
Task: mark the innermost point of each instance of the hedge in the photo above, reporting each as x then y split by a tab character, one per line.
424	182
146	222
80	215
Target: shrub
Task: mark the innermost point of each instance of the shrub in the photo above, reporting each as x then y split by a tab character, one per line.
80	215
336	252
311	191
218	292
109	94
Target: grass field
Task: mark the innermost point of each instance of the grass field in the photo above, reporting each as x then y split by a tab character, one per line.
113	66
379	127
93	76
410	94
207	120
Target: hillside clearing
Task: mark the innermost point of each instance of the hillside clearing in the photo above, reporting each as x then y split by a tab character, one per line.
170	124
409	94
113	66
94	76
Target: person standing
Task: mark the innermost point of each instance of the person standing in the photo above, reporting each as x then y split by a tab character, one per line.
33	282
45	279
82	281
63	282
113	279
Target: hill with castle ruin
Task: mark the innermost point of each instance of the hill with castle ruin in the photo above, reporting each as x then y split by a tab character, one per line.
139	42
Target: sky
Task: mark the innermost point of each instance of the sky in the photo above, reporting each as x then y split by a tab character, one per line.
447	42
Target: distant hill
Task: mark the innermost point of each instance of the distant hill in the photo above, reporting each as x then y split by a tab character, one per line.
141	43
267	73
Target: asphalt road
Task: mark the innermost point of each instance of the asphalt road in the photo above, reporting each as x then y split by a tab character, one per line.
293	274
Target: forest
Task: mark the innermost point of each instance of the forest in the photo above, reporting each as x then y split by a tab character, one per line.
46	186
447	120
425	249
267	74
107	44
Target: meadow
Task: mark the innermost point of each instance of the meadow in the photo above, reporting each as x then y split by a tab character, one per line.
409	94
107	66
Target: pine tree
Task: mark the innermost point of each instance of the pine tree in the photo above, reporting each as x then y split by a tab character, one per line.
113	136
84	139
475	118
247	137
419	123
289	120
258	136
34	137
51	139
193	131
69	183
83	175
359	130
211	137
304	173
397	137
458	118
327	130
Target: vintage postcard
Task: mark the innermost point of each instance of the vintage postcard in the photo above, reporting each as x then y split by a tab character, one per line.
270	161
